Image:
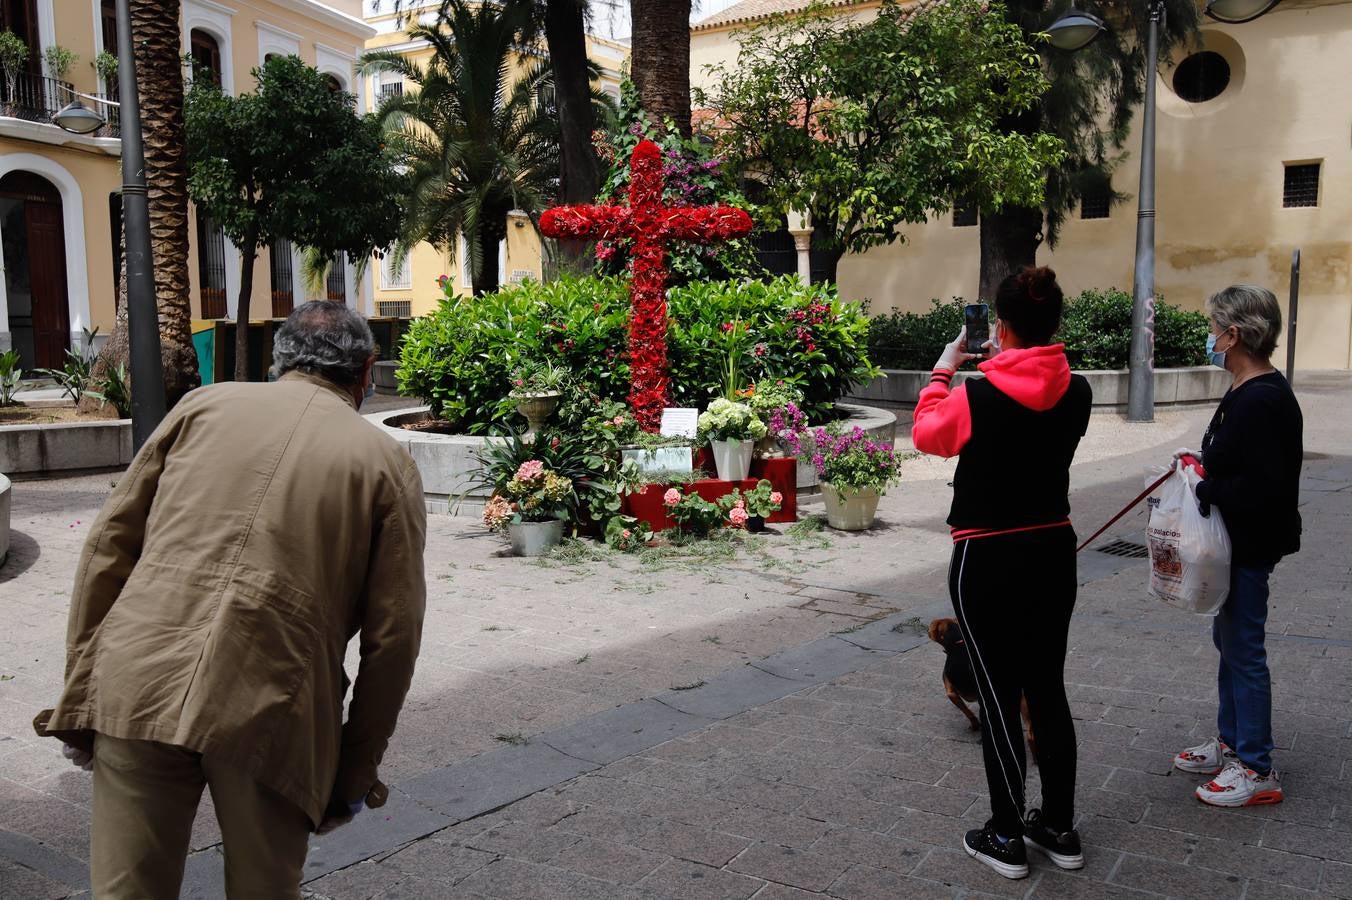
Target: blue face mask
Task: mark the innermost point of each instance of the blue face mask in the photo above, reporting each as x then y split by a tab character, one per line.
370	389
1216	359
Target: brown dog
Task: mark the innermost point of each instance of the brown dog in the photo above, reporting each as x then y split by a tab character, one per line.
959	682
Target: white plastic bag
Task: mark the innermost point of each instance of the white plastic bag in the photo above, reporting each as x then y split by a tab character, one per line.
1189	552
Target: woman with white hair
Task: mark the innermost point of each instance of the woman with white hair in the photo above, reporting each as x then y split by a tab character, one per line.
1252	455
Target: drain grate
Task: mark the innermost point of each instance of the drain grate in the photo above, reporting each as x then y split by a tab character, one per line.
1128	549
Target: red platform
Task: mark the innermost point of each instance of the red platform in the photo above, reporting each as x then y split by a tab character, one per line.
647	505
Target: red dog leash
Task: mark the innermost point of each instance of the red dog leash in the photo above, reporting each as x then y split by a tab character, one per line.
1188	461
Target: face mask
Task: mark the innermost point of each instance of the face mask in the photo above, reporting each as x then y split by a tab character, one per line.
370	390
1216	358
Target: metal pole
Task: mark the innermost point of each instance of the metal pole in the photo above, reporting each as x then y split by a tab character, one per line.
1141	387
143	327
1291	316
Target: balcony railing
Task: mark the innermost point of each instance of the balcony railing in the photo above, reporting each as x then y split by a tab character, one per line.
37	98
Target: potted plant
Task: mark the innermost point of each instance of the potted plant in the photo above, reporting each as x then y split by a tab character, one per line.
532	508
13	57
770	399
105	64
731	430
537	389
692	513
750	509
854	471
59	60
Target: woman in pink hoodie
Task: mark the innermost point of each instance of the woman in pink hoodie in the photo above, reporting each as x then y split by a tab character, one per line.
1015	433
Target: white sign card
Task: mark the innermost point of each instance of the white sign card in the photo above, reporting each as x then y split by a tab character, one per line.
679	422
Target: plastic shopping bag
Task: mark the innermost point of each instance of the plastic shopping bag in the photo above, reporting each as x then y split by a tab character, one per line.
1189	552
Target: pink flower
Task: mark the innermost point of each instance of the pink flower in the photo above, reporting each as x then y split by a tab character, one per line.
671	497
740	504
626	534
738	516
617	421
776	497
530	470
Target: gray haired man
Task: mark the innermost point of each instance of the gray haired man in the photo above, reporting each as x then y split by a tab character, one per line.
261	527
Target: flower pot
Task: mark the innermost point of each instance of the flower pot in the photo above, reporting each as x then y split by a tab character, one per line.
768	447
536	408
535	538
849	509
755	524
732	459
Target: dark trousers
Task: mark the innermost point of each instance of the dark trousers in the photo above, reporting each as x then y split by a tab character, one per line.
1013	595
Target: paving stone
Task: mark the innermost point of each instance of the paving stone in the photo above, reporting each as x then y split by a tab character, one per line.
204	876
1142	840
18	881
955	868
869	848
466	789
1322	843
620	826
783	892
606	859
779	796
786	829
868	883
731	693
511	879
359	882
49	864
692	843
881	636
818	661
371	833
1176	880
1337	879
681	880
622	731
1262	890
859	812
411	887
1261	863
804	869
441	862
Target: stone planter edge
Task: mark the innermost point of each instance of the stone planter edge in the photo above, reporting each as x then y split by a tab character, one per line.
65	446
1194	384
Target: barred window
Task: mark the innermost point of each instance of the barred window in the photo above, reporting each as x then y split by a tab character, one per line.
395	277
1300	185
1095	202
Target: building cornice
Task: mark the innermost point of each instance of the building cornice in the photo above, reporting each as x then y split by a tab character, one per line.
312	9
52	135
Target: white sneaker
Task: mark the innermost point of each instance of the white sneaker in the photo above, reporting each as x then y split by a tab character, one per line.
1205	759
1238	785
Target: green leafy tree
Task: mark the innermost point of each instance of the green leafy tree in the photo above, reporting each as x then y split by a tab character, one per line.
291	160
475	145
873	126
1089	105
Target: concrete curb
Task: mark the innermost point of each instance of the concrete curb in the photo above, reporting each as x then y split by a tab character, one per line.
65	446
1195	384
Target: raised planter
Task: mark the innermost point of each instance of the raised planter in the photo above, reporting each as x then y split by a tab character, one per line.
4	518
65	446
1196	384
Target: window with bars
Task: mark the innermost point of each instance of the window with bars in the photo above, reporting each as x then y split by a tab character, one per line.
965	214
395	277
283	285
402	309
1095	202
211	267
336	284
389	89
1300	185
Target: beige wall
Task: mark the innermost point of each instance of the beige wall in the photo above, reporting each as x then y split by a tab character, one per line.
1219	190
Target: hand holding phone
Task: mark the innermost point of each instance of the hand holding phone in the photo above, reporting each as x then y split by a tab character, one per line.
977	319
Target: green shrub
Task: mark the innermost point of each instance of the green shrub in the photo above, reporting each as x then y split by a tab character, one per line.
459	359
1096	329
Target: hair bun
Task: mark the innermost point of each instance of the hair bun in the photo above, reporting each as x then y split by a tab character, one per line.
1038	281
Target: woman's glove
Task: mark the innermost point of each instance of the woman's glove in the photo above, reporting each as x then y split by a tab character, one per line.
955	354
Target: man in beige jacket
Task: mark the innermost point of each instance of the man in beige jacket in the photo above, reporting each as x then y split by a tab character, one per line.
258	530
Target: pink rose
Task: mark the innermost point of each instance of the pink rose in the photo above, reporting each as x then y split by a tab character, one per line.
740	504
671	497
617	421
626	534
776	497
738	516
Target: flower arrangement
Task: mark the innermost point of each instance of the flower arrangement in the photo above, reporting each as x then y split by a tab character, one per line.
728	420
534	494
537	379
693	513
787	423
760	502
850	460
771	395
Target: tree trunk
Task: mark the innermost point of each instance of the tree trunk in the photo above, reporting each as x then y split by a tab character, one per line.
660	62
248	255
159	85
485	280
830	257
1009	241
579	169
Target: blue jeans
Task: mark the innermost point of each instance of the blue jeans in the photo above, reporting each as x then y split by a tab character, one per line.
1245	718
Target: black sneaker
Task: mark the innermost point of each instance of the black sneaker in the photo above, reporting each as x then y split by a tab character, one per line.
1010	859
1063	848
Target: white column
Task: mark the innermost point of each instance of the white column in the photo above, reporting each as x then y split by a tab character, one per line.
802	242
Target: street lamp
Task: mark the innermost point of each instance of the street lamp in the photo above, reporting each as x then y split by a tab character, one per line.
1071	32
143	328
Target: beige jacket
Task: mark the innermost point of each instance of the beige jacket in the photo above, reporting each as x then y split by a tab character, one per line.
258	530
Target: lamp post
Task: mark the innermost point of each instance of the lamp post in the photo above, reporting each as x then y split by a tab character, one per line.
143	327
1073	31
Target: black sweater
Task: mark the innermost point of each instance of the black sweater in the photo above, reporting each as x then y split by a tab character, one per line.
1253	454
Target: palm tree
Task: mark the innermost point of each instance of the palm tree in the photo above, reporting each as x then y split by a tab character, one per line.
476	147
661	60
159	85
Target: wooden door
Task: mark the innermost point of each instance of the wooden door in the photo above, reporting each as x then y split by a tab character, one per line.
47	269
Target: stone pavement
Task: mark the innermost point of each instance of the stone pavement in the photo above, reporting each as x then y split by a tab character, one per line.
835	766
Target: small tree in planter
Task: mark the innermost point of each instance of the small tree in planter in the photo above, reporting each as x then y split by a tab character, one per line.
59	60
105	64
13	57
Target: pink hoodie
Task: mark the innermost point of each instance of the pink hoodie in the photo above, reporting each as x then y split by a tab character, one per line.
1036	377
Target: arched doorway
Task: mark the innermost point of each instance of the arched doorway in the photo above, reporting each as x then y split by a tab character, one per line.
33	232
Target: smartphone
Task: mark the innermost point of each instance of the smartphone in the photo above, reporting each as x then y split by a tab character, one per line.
977	317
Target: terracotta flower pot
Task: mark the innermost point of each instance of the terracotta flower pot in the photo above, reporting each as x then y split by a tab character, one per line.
849	509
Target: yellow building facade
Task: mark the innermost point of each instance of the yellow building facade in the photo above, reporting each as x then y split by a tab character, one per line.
412	288
58	191
1250	166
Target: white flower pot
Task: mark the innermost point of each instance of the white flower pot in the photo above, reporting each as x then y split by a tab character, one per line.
848	509
732	459
535	538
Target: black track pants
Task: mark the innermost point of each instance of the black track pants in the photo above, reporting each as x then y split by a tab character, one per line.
1013	595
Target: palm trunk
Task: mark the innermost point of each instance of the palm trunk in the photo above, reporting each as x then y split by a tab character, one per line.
159	85
485	280
1009	241
661	60
579	169
249	254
